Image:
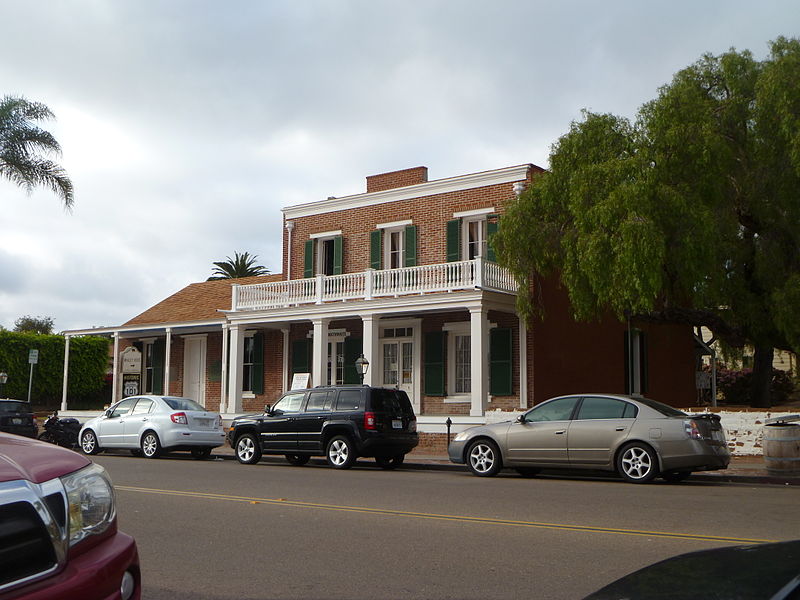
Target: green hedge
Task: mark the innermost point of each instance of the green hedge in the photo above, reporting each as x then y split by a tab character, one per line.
88	365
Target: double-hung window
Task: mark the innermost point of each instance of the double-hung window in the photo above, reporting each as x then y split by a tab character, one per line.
324	254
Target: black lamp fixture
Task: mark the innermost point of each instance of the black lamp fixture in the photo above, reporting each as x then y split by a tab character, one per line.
362	365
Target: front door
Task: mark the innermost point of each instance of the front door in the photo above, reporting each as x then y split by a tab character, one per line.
111	428
398	366
541	436
194	369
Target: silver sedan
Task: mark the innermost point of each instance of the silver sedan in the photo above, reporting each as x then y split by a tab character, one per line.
637	437
147	425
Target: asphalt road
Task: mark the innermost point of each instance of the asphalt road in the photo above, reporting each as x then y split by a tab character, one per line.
214	530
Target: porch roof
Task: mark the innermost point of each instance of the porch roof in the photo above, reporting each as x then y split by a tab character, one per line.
196	302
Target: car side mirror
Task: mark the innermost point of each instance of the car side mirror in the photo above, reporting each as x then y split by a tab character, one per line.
267	409
107	413
520	418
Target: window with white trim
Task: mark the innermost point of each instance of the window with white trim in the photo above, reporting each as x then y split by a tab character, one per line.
474	238
394	247
148	367
247	362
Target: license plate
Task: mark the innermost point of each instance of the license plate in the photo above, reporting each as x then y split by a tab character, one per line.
397	424
16	421
204	422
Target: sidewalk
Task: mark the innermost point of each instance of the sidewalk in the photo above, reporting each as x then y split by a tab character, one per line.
742	469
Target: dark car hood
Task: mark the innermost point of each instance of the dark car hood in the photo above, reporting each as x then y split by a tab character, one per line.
761	571
23	458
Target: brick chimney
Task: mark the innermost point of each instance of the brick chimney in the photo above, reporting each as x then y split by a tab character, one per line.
396	179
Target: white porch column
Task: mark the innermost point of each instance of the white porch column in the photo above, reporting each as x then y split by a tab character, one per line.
223	375
370	347
167	357
319	353
66	373
285	380
479	361
115	375
235	370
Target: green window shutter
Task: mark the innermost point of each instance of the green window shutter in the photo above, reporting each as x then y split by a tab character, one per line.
159	350
643	378
353	348
338	255
375	249
626	353
454	240
301	356
411	246
258	363
500	362
434	347
308	268
492	224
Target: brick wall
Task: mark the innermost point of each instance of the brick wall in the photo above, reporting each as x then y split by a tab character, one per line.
430	214
396	179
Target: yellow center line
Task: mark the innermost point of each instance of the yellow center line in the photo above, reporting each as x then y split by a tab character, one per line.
441	517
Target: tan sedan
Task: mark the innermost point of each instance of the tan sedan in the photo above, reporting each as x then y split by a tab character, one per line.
637	437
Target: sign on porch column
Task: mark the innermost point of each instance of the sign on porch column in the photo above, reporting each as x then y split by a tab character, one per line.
131	371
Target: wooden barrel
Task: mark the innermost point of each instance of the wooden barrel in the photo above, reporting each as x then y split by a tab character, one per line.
782	449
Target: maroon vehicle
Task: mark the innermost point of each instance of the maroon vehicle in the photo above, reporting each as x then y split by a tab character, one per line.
58	527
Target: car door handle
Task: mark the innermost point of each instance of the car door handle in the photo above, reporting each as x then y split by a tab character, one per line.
560	431
621	428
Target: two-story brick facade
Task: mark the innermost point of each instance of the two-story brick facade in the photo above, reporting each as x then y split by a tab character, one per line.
404	275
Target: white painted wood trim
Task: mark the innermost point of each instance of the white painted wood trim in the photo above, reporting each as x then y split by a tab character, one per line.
325	234
394	224
473	213
439	186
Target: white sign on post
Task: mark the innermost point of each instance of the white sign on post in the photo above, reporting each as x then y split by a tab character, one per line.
300	381
33	357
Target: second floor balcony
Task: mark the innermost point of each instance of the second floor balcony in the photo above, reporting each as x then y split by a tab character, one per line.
477	274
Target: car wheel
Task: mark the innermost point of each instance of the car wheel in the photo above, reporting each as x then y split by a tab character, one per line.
390	462
483	458
89	443
675	476
151	446
528	471
637	463
201	453
298	460
340	453
247	449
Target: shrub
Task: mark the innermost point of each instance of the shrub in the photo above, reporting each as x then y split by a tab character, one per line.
88	363
734	385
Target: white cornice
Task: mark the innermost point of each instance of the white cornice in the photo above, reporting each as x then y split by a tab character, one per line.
439	186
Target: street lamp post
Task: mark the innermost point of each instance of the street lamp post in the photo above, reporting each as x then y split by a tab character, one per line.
362	364
3	379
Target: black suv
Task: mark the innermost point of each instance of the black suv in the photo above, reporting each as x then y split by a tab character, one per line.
338	422
17	417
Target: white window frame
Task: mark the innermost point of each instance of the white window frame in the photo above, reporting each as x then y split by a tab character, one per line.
248	334
319	244
453	330
146	343
387	247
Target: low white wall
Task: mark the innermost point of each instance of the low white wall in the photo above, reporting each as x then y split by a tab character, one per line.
744	430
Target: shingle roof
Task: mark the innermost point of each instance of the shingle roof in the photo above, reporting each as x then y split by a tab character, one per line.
196	302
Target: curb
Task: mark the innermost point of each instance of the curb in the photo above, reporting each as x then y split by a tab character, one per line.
424	464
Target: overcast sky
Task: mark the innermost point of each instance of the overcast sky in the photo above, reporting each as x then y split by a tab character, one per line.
187	125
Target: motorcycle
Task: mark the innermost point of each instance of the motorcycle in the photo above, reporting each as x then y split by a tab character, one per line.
62	431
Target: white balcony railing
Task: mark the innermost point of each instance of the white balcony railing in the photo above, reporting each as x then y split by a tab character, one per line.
366	285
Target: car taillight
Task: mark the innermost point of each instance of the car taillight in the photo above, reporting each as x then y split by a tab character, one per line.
692	430
179	418
219	421
412	425
369	421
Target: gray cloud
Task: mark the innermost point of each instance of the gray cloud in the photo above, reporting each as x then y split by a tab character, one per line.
187	124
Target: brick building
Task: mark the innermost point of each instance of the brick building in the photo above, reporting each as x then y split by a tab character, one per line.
405	275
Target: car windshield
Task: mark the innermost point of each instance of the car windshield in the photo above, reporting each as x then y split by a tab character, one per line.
183	404
665	410
13	406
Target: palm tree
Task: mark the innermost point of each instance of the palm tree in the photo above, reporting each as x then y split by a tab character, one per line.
242	265
21	145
